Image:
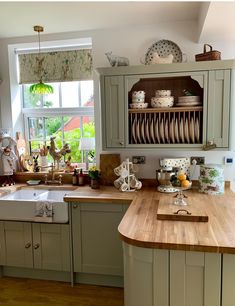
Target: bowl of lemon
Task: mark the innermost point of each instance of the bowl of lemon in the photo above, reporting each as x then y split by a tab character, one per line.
181	180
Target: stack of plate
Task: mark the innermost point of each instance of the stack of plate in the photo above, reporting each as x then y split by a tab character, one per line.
189	101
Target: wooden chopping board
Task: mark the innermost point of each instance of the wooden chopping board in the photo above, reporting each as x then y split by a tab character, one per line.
192	212
107	163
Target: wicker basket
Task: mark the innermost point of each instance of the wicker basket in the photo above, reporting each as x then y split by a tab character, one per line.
211	55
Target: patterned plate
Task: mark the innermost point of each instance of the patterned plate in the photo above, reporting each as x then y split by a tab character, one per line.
163	48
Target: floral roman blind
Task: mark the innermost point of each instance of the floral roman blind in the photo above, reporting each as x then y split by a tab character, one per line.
59	66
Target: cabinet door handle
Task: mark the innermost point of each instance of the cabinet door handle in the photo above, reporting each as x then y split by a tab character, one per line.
36	246
121	143
75	206
28	245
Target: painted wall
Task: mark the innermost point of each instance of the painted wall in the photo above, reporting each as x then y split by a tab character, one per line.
133	43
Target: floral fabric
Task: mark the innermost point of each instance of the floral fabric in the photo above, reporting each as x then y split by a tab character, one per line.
59	66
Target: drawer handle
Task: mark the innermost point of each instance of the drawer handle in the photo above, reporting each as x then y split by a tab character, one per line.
182	211
36	246
75	206
28	245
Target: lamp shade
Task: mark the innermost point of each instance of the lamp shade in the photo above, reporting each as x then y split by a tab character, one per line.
87	144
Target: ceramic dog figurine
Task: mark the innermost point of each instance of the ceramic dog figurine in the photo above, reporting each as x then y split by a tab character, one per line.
116	60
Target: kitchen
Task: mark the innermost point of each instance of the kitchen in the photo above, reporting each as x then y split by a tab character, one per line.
132	41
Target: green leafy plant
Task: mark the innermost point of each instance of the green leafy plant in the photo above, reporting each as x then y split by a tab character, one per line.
94	173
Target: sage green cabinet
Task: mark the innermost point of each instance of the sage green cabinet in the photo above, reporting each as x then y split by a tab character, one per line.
18	247
97	246
137	128
113	123
51	247
158	277
35	245
219	107
228	285
2	245
195	278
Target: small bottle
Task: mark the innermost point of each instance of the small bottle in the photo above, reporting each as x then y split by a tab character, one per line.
74	177
81	178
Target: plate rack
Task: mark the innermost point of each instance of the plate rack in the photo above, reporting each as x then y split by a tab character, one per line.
176	125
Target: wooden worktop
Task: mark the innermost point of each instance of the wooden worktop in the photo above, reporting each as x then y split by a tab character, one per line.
140	226
105	194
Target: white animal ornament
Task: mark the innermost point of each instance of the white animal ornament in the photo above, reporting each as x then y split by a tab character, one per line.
116	60
161	60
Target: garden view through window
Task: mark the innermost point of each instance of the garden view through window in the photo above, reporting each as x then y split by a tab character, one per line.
67	115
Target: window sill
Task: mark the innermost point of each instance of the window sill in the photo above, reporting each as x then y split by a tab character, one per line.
22	177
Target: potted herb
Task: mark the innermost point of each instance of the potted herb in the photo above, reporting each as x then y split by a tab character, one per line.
94	174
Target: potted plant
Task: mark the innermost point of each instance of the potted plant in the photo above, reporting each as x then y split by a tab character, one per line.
94	174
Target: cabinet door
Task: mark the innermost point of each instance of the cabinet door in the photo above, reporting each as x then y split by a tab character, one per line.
113	108
18	244
218	107
96	242
2	245
51	246
195	278
228	286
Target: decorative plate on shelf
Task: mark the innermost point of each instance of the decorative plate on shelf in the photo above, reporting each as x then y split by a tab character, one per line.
164	48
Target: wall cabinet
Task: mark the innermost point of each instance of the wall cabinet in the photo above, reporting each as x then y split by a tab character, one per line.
35	245
113	108
189	126
97	247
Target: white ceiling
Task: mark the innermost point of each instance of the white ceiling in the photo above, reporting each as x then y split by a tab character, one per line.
215	19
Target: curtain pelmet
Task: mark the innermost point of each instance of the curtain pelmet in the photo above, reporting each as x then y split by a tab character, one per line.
59	66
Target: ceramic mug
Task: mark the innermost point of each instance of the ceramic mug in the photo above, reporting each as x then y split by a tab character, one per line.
133	182
138	95
124	172
118	169
138	185
139	100
118	182
124	187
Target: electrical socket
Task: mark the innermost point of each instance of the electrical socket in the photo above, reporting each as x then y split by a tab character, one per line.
138	159
199	159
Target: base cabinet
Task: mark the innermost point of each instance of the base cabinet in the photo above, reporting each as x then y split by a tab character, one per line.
228	288
96	244
156	277
35	245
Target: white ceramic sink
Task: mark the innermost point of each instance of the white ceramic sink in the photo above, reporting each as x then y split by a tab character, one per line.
23	194
21	205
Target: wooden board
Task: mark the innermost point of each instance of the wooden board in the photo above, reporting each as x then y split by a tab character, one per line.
191	212
107	163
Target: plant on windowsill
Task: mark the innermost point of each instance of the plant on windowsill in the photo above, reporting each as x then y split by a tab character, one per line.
94	174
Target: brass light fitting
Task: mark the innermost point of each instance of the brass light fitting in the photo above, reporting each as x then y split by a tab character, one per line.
40	88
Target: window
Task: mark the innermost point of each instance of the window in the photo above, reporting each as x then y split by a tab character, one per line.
67	114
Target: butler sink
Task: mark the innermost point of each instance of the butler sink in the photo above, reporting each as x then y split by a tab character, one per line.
21	205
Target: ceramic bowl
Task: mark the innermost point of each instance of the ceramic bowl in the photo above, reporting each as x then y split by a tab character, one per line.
138	105
163	93
138	100
138	94
186	99
162	102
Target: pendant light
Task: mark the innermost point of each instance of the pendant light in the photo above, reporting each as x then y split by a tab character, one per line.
40	88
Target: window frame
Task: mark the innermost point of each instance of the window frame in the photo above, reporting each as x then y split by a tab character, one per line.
44	112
